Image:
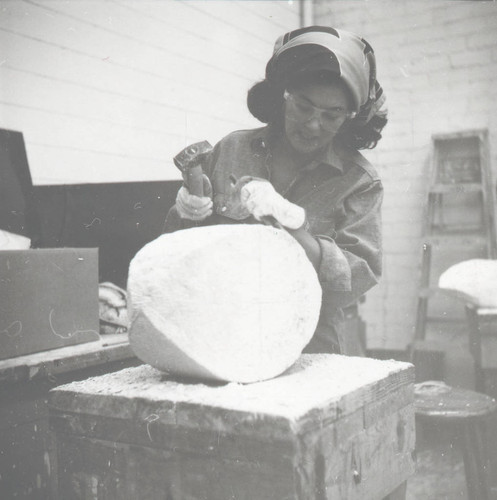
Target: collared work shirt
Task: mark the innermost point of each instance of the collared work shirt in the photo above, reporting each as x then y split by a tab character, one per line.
341	194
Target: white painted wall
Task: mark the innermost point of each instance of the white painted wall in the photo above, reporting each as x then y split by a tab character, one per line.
108	91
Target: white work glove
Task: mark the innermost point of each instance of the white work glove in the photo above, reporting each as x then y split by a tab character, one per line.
261	200
194	207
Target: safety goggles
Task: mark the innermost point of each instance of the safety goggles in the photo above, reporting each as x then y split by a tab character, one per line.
328	117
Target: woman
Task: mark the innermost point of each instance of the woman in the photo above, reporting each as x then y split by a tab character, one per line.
322	103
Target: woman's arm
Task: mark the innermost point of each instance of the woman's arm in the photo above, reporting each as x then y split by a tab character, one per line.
351	252
309	244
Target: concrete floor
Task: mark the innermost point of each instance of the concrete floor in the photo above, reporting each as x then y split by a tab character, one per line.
440	469
440	476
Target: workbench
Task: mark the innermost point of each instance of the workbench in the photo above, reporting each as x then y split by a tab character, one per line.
24	384
331	427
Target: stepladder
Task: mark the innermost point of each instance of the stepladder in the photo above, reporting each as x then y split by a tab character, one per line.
459	223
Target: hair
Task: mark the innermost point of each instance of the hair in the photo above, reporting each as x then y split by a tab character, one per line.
265	102
357	135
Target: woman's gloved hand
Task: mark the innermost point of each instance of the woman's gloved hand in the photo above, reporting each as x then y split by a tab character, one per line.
193	207
261	200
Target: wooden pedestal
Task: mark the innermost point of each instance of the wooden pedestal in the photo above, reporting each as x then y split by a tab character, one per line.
332	427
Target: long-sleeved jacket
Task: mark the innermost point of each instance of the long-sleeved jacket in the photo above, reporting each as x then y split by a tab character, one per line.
341	194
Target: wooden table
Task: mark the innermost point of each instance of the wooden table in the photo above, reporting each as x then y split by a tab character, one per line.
332	427
24	385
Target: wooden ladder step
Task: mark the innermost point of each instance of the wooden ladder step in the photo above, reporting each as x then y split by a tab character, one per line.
443	320
460	239
463	187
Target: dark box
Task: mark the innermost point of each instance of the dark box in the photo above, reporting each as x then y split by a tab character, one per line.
48	299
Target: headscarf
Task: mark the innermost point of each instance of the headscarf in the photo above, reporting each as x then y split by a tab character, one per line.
321	48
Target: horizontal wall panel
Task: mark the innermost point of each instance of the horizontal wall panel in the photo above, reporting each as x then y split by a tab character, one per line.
69	166
28	55
99	104
118	25
110	91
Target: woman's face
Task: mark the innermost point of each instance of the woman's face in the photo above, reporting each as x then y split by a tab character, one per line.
313	114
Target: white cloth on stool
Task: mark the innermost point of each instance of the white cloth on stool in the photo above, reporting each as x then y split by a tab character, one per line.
474	281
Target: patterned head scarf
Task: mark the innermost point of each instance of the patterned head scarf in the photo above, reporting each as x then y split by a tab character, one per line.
318	48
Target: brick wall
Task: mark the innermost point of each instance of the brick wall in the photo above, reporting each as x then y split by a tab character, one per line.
111	91
438	64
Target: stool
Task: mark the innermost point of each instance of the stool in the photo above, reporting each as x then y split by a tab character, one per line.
436	401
